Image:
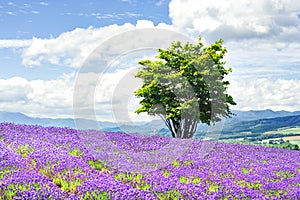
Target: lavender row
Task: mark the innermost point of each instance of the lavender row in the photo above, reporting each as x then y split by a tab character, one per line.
60	163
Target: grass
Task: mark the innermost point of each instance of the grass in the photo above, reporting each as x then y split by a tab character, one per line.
286	130
295	142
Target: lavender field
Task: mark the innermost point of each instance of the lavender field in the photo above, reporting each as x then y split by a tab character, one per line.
59	163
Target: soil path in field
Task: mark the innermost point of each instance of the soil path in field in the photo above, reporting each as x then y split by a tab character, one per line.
292	138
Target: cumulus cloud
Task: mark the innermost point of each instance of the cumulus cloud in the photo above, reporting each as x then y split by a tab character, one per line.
15	43
14	89
55	98
144	24
234	20
264	93
51	97
255	57
72	48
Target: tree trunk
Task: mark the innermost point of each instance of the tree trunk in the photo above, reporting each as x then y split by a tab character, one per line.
181	129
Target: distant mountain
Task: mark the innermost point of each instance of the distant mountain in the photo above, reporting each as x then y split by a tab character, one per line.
14	117
19	118
243	121
262	125
242	118
259	114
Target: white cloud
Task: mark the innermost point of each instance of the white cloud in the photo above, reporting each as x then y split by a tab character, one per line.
37	97
144	24
264	93
260	54
54	98
72	48
14	89
108	92
14	43
44	3
234	20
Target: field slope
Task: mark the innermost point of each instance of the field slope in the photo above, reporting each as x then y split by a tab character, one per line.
58	163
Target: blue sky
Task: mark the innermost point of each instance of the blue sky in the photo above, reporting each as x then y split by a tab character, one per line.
43	19
44	44
24	20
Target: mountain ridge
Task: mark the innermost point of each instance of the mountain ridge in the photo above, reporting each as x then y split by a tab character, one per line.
238	122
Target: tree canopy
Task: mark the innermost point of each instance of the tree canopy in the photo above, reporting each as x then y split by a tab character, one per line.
186	85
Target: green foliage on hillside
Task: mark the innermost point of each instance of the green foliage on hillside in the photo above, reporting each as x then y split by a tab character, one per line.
262	125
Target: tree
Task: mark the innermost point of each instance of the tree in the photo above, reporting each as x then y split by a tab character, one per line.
185	85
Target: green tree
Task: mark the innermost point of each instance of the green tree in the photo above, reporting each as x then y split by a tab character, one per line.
185	85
